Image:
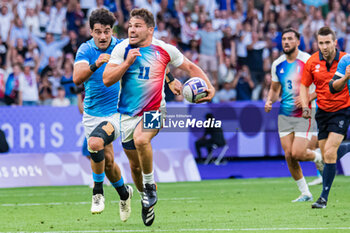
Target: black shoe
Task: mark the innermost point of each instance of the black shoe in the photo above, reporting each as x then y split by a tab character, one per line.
148	215
150	196
148	201
319	204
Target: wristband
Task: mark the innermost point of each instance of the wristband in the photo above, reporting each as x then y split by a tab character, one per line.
93	67
171	77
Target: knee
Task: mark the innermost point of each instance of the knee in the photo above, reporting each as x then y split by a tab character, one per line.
135	168
297	155
141	142
95	143
330	156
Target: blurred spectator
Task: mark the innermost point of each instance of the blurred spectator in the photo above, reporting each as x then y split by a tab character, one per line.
243	84
28	89
226	71
245	39
57	19
18	31
227	93
44	19
151	5
2	87
73	45
6	17
188	29
48	70
75	16
256	57
229	45
49	48
45	91
67	81
265	86
32	21
55	80
210	51
12	85
60	100
99	5
3	52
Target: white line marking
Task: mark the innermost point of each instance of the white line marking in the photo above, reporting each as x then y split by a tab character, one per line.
209	229
87	203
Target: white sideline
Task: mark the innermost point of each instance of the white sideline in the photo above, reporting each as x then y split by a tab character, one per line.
87	203
203	229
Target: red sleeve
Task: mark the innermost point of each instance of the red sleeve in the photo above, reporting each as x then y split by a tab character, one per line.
307	78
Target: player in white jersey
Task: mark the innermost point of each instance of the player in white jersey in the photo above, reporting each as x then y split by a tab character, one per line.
295	131
140	63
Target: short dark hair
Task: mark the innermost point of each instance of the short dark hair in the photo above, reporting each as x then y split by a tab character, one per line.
325	31
144	14
102	16
296	33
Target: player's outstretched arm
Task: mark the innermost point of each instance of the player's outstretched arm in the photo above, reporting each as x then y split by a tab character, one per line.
194	71
114	72
273	95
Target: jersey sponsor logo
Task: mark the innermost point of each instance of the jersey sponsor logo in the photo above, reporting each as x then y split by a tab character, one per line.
317	67
108	128
152	120
157	55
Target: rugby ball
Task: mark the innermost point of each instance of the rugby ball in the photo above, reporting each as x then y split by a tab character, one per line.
194	89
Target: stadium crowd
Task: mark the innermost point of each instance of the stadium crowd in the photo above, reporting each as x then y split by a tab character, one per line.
234	41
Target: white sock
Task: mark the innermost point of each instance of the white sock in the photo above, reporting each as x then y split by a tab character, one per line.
318	155
303	188
148	178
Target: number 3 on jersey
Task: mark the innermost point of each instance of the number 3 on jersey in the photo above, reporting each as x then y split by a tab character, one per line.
144	72
289	82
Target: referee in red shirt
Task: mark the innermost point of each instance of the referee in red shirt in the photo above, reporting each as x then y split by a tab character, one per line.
332	115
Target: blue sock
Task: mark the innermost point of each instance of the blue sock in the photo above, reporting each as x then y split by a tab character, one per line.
343	149
98	183
121	189
328	177
119	183
98	177
318	173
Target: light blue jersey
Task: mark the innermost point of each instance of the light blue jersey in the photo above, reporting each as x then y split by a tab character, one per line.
100	101
341	69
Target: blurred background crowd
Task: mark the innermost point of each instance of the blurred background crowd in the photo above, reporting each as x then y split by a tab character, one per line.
234	41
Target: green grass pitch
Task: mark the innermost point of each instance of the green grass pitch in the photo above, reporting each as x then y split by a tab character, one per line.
243	205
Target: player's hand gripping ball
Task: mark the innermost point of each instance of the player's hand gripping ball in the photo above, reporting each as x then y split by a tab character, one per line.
194	89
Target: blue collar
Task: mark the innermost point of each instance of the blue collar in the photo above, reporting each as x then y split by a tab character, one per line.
112	44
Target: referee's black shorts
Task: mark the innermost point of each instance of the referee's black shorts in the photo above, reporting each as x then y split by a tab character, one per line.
337	122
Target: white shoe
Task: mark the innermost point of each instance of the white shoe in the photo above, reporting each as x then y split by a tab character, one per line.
98	204
316	181
125	206
303	197
318	160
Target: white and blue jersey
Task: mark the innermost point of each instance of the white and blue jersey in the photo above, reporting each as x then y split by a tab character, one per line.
341	69
289	76
100	101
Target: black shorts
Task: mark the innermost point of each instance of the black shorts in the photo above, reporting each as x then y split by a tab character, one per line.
337	122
